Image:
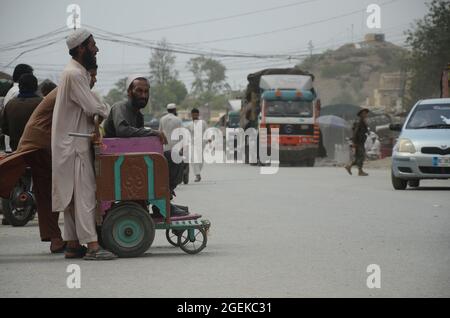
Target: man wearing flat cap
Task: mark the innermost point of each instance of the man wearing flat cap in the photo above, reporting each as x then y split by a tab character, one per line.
73	178
360	131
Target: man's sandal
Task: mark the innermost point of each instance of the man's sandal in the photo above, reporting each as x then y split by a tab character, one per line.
78	252
99	255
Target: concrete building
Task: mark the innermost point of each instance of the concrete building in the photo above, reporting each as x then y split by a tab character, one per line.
389	93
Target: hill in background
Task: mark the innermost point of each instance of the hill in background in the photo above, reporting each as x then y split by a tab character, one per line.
366	74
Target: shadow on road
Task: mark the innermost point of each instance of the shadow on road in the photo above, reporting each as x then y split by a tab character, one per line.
430	189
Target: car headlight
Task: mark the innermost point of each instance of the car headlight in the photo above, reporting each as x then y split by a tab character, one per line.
405	145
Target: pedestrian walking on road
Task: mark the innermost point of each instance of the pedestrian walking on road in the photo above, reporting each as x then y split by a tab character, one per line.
360	131
202	126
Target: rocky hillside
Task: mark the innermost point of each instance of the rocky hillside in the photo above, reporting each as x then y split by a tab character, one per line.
350	74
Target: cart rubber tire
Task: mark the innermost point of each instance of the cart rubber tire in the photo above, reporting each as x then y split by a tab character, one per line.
128	230
184	242
169	234
397	183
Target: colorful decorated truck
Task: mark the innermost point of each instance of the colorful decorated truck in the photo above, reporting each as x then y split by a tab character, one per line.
284	99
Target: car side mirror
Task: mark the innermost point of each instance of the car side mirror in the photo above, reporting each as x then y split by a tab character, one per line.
395	127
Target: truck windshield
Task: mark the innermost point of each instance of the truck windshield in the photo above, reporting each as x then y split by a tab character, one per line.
430	117
289	108
233	122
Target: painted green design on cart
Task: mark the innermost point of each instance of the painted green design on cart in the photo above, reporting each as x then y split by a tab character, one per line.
160	203
117	178
150	177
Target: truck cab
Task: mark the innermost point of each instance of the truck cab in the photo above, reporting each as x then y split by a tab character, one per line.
289	103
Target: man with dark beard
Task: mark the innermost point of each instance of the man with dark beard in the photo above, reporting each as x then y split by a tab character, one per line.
73	177
34	151
125	119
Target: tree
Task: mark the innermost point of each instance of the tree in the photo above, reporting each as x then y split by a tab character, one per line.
209	75
118	93
165	87
173	92
430	44
162	64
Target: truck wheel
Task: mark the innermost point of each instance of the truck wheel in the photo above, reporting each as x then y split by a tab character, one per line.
128	230
397	183
310	162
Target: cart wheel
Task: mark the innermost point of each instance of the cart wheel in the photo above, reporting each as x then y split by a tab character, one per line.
192	241
172	236
128	230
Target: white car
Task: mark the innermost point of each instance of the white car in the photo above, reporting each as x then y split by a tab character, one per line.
422	150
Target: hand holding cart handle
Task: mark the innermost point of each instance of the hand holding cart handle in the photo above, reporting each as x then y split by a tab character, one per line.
95	136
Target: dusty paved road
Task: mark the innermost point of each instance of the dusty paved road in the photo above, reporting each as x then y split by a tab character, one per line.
300	233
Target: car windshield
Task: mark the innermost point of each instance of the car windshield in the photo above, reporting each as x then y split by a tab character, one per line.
289	109
430	117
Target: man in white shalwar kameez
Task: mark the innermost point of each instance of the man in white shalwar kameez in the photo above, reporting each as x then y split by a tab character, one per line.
73	177
197	128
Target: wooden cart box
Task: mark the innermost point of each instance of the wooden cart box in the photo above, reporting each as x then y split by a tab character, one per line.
132	177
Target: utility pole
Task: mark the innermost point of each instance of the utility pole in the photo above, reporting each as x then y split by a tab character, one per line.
310	47
352	32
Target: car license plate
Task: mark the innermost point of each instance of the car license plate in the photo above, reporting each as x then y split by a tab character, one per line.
441	162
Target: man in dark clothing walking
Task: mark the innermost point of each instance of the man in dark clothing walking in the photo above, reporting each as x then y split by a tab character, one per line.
18	110
360	131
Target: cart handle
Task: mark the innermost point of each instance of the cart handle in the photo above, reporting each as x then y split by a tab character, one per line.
95	136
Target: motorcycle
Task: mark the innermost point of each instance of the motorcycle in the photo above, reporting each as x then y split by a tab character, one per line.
20	208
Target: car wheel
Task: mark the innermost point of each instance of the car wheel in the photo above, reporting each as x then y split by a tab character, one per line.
414	183
397	183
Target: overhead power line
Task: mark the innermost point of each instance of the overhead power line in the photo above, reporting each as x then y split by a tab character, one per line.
286	28
175	48
31	41
221	18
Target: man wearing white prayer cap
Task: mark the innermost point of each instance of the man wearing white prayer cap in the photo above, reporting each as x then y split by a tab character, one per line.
73	178
171	106
167	125
77	37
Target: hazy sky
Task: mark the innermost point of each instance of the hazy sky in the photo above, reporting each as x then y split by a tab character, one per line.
315	20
